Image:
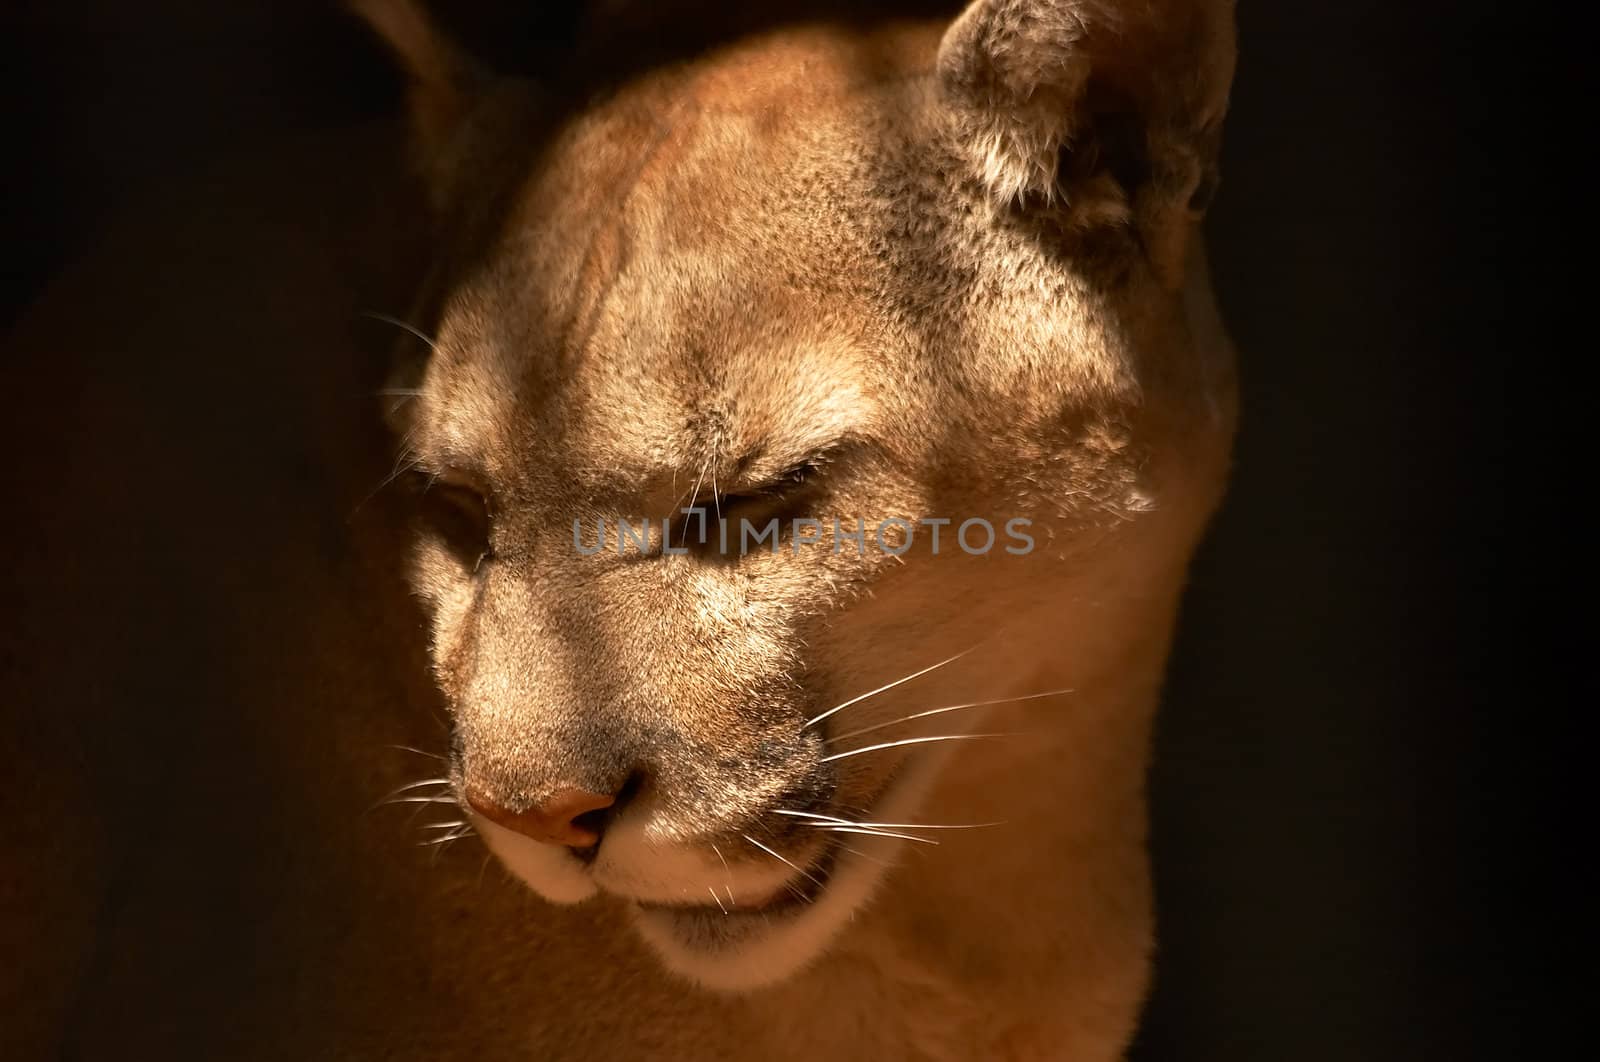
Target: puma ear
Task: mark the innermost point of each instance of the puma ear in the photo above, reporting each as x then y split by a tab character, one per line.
1015	73
444	84
1100	102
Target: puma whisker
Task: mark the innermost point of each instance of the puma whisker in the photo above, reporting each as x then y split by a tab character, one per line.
943	710
917	741
814	720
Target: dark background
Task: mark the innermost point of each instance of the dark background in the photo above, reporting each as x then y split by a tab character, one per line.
1323	791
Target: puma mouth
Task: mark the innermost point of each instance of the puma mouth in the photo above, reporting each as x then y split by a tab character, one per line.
755	943
791	899
721	925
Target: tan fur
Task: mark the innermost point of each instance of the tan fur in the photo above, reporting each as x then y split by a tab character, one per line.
814	241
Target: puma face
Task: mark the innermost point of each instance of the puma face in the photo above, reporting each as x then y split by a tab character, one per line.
833	284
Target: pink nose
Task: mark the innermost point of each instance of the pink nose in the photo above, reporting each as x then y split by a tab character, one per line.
550	821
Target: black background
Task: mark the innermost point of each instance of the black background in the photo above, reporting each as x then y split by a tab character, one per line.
1321	789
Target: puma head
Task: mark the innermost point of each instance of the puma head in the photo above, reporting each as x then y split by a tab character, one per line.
834	278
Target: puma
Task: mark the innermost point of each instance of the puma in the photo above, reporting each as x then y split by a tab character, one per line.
847	794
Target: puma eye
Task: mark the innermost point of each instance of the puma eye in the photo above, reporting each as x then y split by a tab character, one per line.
458	514
783	498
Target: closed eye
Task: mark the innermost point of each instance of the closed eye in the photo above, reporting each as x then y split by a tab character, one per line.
713	520
455	511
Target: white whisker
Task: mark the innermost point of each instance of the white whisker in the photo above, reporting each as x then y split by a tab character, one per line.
780	859
447	838
419	785
419	752
947	708
883	689
386	319
716	899
405	461
834	820
911	741
796	891
876	833
390	798
694	496
813	815
726	872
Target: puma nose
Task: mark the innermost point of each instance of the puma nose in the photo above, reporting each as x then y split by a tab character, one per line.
559	819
